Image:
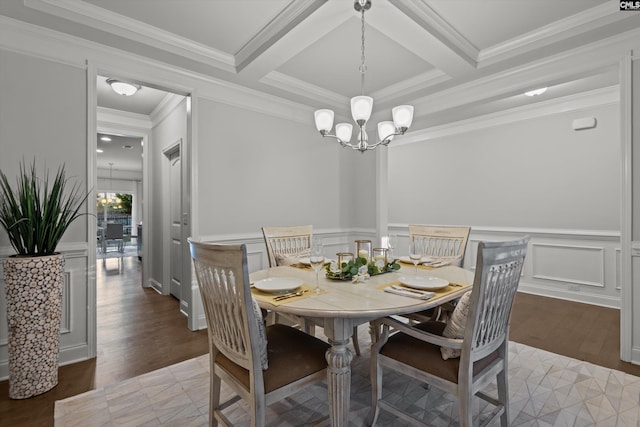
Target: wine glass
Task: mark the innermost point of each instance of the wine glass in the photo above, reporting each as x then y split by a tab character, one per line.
392	243
316	259
415	252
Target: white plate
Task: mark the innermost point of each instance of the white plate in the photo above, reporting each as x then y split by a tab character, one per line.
427	283
307	261
408	260
278	284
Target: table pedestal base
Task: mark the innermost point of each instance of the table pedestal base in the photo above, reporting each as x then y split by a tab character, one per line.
339	381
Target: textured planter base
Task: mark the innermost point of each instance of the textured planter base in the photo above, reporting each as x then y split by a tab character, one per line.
34	310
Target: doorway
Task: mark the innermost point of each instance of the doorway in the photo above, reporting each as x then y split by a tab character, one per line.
143	116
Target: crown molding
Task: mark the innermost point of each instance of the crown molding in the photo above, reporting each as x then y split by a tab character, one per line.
583	59
34	40
110	116
581	101
259	102
20	37
302	88
582	22
339	102
411	85
294	13
165	107
96	17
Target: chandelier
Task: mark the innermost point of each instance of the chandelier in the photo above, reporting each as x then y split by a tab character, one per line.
361	107
108	201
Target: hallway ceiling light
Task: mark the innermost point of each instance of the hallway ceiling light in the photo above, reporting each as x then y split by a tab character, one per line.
536	92
123	88
105	139
361	107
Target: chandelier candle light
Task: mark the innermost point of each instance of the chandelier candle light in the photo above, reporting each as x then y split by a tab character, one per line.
361	107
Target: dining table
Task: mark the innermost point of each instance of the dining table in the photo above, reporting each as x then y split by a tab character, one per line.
341	305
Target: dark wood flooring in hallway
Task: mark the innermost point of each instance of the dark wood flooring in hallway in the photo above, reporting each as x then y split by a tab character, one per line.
140	331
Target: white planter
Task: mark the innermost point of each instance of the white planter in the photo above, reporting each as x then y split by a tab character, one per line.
34	309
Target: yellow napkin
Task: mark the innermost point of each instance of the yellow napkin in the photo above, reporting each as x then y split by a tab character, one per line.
271	298
301	266
452	287
424	267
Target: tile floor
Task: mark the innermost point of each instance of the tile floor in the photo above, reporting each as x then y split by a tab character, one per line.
545	389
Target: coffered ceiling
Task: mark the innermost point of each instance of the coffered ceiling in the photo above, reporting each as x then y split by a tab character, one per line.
308	51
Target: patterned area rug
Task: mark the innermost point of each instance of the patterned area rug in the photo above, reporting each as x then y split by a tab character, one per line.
545	389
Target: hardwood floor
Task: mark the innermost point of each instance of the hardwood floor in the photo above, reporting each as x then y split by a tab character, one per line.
140	331
581	331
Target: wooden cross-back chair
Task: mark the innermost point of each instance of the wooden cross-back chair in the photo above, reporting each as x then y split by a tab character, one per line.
442	241
417	351
261	364
287	242
286	245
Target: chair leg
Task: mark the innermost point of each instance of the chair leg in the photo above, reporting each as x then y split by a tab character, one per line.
503	398
354	338
464	406
376	388
214	399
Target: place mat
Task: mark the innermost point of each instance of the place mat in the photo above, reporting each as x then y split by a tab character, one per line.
271	298
452	287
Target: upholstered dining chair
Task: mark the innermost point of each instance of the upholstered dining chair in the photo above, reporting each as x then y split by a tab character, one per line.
261	364
285	246
463	356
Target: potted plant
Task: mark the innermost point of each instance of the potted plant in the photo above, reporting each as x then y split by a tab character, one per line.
35	214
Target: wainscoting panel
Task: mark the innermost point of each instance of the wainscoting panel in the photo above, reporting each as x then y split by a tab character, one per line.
579	265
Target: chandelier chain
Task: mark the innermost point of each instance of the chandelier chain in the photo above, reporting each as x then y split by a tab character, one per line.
363	67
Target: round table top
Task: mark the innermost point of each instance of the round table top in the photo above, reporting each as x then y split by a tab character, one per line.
364	299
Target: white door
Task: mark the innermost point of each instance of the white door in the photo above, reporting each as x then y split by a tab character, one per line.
175	179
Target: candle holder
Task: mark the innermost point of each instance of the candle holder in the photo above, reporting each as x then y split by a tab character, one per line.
363	249
380	254
344	257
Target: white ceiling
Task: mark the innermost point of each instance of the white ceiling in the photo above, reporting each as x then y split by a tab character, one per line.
308	51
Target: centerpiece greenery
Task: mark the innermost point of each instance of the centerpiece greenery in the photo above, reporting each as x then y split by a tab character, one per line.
359	266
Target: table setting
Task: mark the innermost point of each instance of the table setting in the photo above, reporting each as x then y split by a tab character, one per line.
281	290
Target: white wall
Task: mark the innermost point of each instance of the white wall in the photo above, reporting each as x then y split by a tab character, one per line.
43	115
533	173
533	176
255	170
